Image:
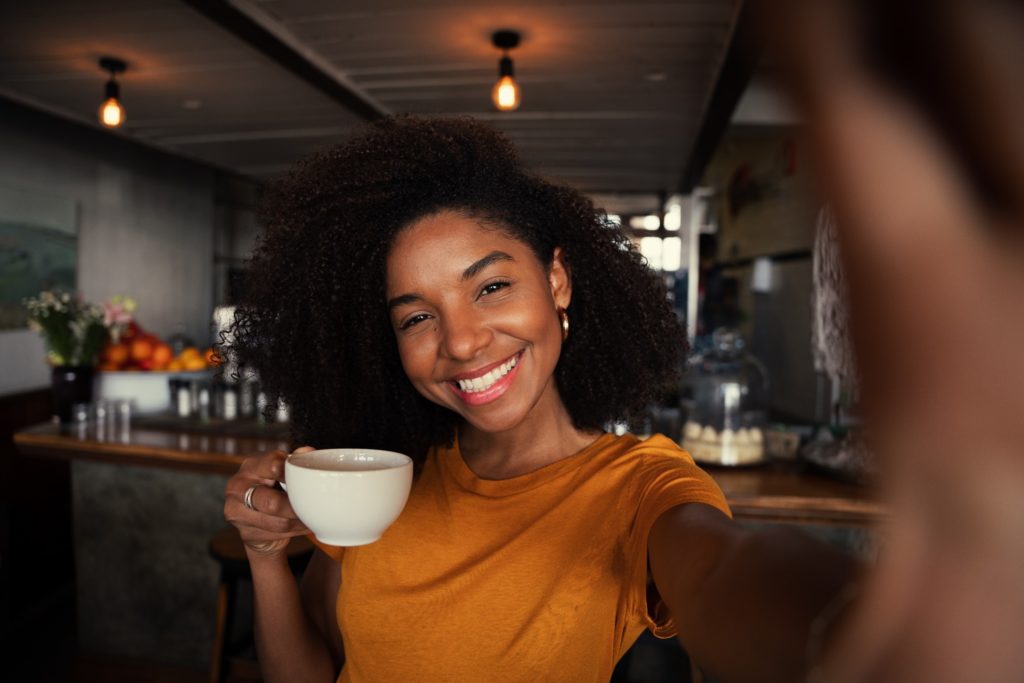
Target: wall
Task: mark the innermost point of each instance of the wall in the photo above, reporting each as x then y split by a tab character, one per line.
146	227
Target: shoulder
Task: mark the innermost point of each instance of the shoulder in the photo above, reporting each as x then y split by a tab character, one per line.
665	475
656	455
655	448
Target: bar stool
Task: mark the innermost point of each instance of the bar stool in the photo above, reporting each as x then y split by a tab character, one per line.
226	547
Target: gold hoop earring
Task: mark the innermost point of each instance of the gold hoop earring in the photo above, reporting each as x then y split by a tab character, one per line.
563	318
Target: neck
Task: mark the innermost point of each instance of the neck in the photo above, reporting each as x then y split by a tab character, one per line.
547	436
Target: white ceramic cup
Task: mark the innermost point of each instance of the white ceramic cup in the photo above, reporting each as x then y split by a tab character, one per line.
348	496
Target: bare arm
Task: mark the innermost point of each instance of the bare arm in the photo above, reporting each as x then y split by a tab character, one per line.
743	600
921	149
320	585
290	646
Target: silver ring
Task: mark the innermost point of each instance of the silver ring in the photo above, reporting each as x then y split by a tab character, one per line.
247	500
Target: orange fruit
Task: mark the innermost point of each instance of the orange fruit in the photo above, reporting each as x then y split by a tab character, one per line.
175	366
211	357
193	363
108	366
115	354
162	354
141	349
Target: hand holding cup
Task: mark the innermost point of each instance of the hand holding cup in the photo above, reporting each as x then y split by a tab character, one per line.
258	508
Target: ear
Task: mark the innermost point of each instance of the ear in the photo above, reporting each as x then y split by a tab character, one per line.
560	280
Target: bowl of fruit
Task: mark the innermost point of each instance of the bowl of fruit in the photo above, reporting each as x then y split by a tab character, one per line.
139	365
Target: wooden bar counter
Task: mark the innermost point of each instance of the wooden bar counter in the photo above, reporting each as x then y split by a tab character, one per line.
787	492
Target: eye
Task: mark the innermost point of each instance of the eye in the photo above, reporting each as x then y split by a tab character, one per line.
413	320
492	287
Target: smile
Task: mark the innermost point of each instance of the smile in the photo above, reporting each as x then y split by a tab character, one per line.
487	386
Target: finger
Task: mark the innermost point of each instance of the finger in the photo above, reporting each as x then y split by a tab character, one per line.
257	535
239	515
271	501
279	468
264	498
263	541
266	467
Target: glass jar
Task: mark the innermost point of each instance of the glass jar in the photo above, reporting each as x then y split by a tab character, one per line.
727	388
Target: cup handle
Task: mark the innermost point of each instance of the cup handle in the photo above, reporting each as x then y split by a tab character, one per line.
282	484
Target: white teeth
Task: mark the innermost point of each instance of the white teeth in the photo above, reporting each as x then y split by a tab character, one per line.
477	384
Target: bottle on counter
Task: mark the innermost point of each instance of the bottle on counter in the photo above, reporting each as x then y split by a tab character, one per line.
229	402
182	398
283	413
248	390
203	403
261	406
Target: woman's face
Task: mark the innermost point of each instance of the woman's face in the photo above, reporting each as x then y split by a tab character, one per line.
475	315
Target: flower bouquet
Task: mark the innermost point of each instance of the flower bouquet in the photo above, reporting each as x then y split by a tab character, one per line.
75	332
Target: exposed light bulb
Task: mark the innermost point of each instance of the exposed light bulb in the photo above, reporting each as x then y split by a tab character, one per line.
111	113
506	94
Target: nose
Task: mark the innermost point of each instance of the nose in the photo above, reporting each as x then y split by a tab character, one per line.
465	334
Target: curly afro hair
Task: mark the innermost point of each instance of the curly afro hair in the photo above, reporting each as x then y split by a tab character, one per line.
314	323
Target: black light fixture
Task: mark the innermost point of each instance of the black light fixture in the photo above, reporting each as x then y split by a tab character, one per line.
112	111
505	95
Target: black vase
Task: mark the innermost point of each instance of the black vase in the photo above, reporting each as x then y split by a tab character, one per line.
71	384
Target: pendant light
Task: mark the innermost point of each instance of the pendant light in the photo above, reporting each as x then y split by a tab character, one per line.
505	95
111	112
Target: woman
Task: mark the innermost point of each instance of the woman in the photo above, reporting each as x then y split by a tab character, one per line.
417	290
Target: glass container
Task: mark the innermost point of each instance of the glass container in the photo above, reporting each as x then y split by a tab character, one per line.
727	390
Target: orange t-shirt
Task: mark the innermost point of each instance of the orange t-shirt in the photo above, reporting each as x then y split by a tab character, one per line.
538	577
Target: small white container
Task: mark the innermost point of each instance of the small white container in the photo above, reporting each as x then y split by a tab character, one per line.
148	389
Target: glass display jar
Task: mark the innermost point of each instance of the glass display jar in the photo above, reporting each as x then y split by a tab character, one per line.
727	389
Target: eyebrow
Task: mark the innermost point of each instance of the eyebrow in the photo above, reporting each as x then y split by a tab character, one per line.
468	274
493	257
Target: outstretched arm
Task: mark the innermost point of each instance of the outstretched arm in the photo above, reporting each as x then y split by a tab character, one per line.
743	600
915	111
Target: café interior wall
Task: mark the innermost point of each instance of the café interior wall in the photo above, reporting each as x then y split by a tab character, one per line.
766	208
145	227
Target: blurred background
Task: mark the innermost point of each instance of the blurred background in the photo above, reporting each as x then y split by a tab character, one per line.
665	113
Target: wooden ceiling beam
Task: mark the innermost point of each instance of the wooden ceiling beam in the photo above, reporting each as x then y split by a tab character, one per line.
733	78
269	37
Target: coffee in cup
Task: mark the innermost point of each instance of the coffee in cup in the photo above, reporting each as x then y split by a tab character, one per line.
348	496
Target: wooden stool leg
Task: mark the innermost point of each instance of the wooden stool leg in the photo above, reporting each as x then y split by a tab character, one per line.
220	631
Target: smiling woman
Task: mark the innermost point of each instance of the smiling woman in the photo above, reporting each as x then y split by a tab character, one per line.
483	324
319	324
418	290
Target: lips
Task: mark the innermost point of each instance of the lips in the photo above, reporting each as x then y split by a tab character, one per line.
488	383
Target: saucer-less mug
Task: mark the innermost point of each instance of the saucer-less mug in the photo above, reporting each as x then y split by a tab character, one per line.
348	496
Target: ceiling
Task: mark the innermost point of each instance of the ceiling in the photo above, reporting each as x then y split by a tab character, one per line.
615	93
